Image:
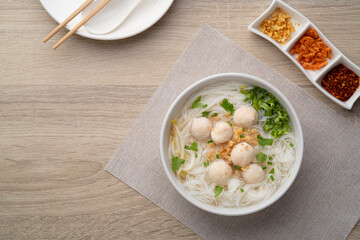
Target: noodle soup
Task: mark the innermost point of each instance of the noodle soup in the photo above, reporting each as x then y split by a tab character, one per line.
231	145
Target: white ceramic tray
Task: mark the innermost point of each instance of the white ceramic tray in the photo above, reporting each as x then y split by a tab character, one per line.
305	24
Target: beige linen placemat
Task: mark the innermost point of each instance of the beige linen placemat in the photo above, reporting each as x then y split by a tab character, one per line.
323	203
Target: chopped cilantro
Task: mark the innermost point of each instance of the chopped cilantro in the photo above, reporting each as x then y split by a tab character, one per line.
243	129
210	141
277	120
227	106
229	123
241	135
196	155
176	163
270	158
237	167
264	167
217	156
207	163
205	113
291	145
265	141
261	157
215	114
197	103
272	171
241	190
270	163
193	146
218	190
272	178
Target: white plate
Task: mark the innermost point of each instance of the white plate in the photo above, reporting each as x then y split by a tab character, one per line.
147	13
315	77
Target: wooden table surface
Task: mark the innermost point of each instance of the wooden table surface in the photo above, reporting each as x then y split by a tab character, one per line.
64	112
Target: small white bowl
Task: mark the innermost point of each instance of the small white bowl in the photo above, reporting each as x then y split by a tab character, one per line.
315	77
242	79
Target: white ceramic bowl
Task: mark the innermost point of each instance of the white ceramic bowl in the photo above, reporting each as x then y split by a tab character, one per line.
243	79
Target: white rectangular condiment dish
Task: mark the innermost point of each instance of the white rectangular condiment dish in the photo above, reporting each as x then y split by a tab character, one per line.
305	24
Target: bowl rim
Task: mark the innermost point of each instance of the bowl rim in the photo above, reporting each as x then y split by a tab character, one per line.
236	211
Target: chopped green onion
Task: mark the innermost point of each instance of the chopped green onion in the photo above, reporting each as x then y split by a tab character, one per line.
217	156
272	178
210	141
237	167
291	145
243	129
205	113
205	106
272	171
261	157
264	168
207	163
270	163
229	123
270	158
265	141
241	190
218	190
196	155
215	114
241	135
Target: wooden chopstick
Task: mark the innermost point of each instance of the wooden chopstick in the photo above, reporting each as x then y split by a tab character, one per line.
82	22
68	19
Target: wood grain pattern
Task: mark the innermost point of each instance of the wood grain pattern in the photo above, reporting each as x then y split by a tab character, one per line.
64	112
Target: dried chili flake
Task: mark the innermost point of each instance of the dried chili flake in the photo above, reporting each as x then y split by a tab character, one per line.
341	82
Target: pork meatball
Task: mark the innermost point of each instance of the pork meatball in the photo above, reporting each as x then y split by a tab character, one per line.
220	172
201	128
245	116
242	154
221	133
254	174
